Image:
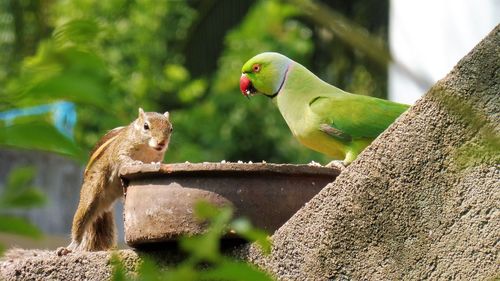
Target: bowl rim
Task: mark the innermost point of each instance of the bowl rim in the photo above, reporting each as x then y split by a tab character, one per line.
135	172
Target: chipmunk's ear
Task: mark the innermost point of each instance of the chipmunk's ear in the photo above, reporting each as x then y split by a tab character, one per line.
141	113
167	115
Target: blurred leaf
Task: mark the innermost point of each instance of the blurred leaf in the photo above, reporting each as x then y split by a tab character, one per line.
182	272
148	271
76	31
18	192
118	268
29	198
72	87
70	74
205	247
235	271
202	247
19	178
244	228
20	226
40	136
41	66
204	210
176	73
193	90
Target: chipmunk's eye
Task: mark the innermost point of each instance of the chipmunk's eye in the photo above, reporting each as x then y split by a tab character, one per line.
171	129
146	126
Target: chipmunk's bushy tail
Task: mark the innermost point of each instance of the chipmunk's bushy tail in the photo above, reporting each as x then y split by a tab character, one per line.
100	235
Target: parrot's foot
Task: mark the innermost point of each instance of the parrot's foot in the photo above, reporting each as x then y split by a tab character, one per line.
316	164
338	164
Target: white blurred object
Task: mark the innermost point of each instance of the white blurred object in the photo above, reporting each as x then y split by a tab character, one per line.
428	37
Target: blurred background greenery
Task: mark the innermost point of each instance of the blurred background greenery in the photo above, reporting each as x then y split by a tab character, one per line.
110	57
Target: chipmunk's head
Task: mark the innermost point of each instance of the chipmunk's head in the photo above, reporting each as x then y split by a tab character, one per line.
155	129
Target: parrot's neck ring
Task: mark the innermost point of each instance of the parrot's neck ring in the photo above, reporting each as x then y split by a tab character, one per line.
282	83
273	96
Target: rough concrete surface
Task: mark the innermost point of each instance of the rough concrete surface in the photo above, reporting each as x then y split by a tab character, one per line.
422	202
20	264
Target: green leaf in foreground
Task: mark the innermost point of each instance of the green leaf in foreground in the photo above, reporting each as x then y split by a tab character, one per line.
118	268
39	136
20	226
29	198
18	178
206	211
205	260
206	247
76	31
235	270
18	191
244	228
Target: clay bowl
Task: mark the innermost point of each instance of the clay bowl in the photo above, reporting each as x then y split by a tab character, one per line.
160	200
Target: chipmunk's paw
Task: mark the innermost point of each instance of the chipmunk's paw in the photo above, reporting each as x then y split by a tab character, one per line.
156	165
63	251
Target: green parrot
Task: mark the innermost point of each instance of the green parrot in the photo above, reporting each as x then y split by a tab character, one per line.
321	116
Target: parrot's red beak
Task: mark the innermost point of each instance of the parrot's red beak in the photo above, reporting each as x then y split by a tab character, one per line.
246	86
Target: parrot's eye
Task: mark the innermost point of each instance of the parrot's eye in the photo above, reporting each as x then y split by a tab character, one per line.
256	67
146	126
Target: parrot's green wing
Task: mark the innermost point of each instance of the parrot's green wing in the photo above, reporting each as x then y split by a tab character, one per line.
355	116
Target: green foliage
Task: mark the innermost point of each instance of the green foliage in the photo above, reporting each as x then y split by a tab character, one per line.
40	136
204	260
18	194
18	191
137	41
20	226
55	70
110	57
50	75
76	32
233	127
245	229
119	272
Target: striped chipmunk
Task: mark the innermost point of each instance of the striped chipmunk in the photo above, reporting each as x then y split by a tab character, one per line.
145	140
